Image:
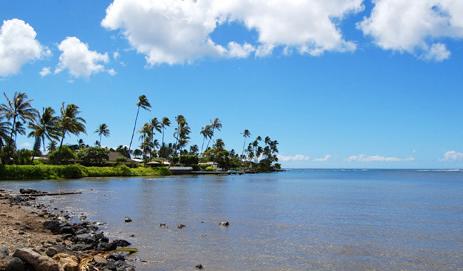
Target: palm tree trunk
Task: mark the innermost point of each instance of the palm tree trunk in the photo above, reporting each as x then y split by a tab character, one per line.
13	131
62	140
202	145
134	127
163	135
100	142
210	138
244	145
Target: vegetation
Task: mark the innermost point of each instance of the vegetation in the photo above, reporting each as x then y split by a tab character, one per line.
50	158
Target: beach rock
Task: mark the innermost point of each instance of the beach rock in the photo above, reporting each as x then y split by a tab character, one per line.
224	224
53	226
37	261
11	264
4	252
67	262
51	251
30	191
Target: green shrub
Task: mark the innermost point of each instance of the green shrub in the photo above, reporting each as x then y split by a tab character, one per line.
23	157
62	156
72	172
93	156
189	160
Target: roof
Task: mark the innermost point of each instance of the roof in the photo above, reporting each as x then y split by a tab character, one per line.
114	156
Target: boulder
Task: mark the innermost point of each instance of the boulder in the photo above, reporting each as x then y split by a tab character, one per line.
11	264
36	260
67	262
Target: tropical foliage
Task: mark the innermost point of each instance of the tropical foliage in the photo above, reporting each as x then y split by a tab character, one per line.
50	130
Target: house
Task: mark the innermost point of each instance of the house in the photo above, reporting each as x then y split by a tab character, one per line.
115	157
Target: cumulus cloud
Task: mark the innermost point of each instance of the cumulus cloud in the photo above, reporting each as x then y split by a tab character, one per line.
179	31
18	46
79	60
453	156
378	158
45	71
323	158
412	26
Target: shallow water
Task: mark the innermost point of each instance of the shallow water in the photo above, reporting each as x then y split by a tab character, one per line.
296	220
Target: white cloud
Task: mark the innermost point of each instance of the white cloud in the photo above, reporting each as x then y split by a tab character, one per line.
378	158
412	26
178	31
323	158
293	158
302	157
453	156
438	52
18	46
45	71
79	60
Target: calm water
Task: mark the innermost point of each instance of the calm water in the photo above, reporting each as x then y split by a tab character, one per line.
296	220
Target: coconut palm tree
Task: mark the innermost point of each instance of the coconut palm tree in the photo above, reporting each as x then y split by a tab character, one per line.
181	132
142	103
246	134
102	130
206	132
70	122
216	125
165	123
18	110
45	127
5	130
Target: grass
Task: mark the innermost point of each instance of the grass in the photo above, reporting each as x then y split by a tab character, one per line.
43	172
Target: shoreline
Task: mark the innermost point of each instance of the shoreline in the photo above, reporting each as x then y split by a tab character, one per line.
34	238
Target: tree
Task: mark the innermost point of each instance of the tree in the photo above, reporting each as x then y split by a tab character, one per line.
207	133
18	110
246	134
142	103
182	133
70	122
165	123
102	130
5	130
45	127
215	125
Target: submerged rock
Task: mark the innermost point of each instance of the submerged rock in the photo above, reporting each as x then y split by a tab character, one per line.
224	224
199	266
181	226
127	220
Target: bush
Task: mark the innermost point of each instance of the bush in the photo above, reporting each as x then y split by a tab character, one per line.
62	156
72	172
189	160
93	156
23	157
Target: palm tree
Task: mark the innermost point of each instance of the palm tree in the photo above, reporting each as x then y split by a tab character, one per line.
5	130
165	123
246	134
102	130
181	132
156	126
18	110
206	132
215	125
45	127
70	122
142	103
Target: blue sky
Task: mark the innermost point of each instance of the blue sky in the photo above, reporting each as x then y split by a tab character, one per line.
392	102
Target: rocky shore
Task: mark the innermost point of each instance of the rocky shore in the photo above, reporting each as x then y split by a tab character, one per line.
33	238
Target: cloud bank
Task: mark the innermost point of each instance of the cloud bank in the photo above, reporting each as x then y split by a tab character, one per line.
377	158
453	156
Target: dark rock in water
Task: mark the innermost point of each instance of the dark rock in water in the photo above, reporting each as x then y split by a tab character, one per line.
199	267
127	220
117	257
118	243
181	226
224	223
12	264
84	238
30	191
67	229
163	225
36	260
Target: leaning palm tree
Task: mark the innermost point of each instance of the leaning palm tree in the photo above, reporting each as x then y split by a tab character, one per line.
45	127
215	125
102	130
246	134
18	110
206	132
165	123
70	122
142	103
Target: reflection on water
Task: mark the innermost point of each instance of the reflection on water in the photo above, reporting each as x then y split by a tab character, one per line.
296	220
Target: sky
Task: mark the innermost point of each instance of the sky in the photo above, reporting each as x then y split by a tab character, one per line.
339	83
